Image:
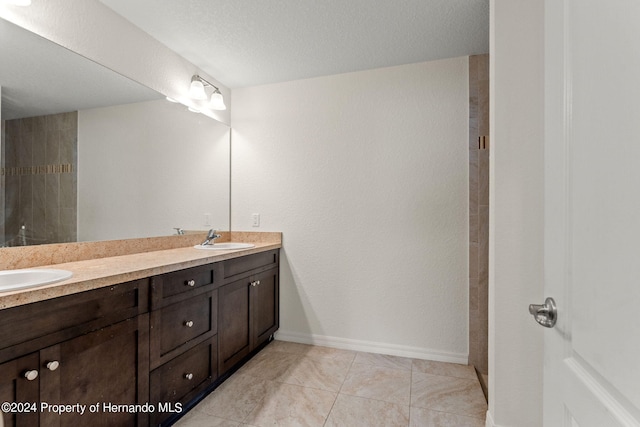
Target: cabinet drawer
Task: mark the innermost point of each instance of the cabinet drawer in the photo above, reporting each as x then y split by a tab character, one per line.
180	379
246	264
31	327
189	321
170	287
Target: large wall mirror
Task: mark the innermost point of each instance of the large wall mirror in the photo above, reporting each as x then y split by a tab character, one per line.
87	154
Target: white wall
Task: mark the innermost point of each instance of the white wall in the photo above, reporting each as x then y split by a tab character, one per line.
516	213
366	174
147	167
91	29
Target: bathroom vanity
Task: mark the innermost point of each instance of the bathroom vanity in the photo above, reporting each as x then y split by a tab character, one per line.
137	352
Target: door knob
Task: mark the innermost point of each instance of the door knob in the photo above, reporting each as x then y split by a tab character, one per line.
545	314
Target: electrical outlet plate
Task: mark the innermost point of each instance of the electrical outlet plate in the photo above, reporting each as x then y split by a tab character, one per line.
256	219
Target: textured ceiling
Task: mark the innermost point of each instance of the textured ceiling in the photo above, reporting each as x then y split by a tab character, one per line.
248	42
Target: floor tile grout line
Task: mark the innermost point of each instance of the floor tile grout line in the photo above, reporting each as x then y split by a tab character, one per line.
410	393
335	399
347	374
339	389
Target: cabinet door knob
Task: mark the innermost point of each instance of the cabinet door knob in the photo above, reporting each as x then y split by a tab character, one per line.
257	282
188	376
53	365
188	323
191	283
31	375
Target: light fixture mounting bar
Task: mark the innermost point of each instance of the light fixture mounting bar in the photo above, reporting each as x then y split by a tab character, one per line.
207	83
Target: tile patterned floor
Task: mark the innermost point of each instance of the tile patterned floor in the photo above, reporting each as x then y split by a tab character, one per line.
289	384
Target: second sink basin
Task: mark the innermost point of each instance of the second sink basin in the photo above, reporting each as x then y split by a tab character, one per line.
27	278
225	246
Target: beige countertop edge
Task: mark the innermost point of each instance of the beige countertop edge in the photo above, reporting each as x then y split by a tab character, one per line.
102	272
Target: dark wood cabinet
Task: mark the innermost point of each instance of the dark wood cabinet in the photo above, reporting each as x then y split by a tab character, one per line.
163	341
265	306
234	312
16	388
183	338
108	367
178	327
248	306
181	379
183	284
32	327
86	348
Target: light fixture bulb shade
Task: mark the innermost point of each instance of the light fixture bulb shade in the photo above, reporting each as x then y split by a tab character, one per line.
217	101
196	90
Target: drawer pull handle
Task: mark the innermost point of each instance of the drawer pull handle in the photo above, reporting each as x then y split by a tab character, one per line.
255	283
53	365
188	323
191	283
31	375
189	376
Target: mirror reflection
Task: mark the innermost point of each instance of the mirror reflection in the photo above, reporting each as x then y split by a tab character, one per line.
87	154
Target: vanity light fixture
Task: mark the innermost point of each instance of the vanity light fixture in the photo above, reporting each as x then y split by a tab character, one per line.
217	101
196	91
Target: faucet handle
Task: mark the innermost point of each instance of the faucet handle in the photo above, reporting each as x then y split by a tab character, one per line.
179	231
211	235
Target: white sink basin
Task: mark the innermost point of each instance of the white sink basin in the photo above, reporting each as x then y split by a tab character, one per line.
225	246
27	278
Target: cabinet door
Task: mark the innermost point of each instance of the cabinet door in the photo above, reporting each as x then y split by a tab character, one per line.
265	300
234	339
16	388
106	367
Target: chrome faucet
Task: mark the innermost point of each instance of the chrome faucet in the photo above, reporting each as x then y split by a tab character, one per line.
210	237
179	231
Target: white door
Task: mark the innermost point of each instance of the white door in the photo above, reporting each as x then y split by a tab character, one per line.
592	212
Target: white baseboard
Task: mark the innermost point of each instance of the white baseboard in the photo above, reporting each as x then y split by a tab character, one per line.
372	347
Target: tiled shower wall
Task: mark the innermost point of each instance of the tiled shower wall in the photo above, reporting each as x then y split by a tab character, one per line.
39	168
478	211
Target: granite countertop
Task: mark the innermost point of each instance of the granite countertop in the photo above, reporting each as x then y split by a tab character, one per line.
101	272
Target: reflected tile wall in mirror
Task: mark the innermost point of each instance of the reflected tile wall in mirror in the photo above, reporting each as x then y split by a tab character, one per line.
40	173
